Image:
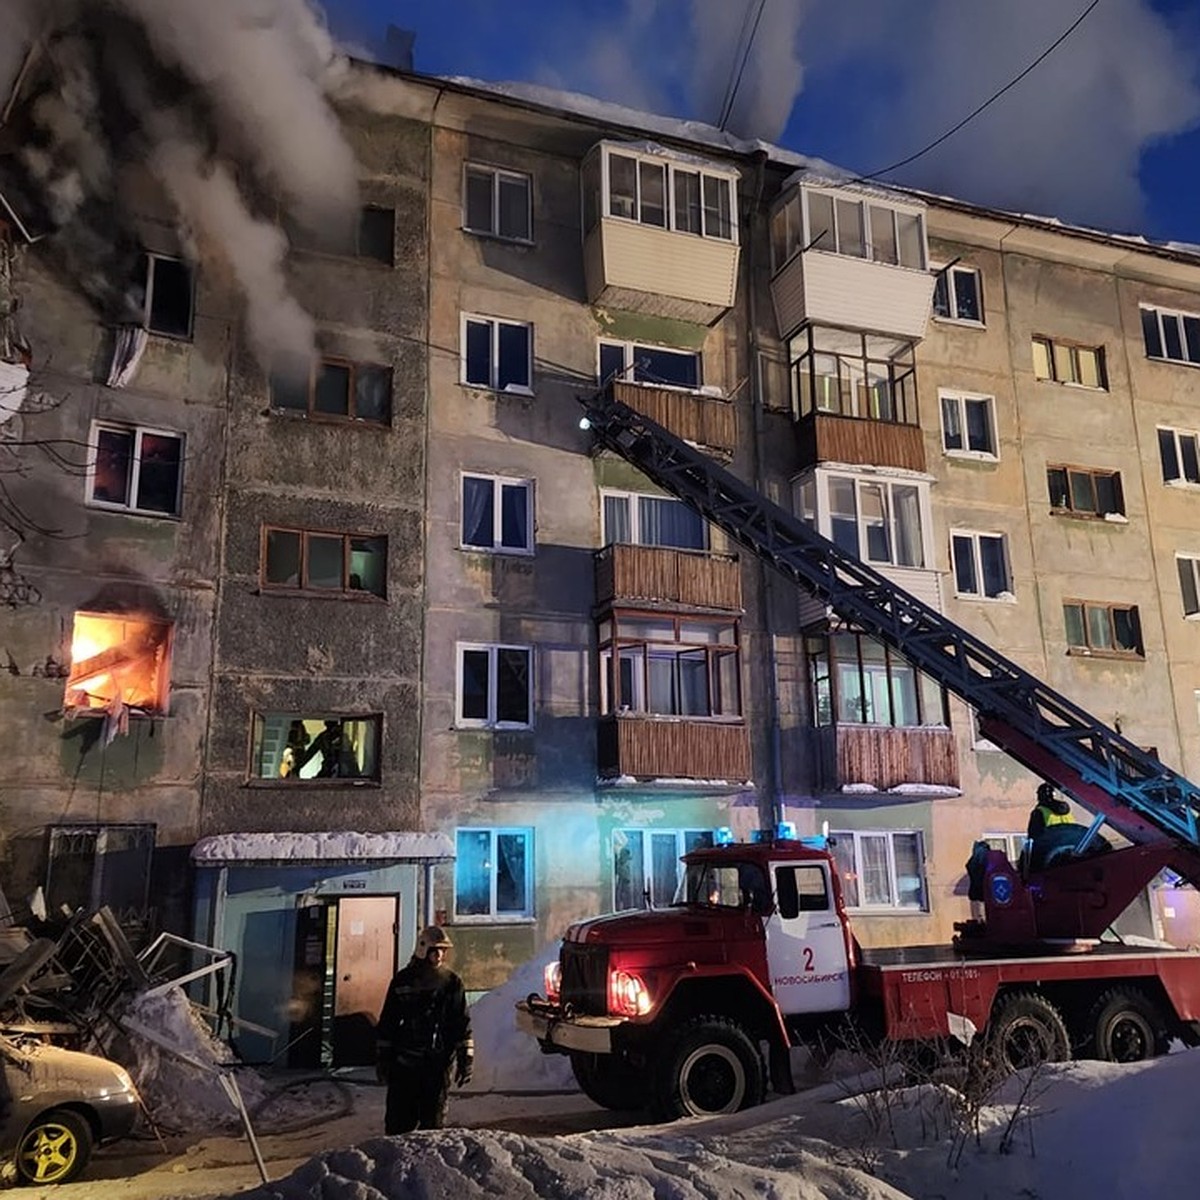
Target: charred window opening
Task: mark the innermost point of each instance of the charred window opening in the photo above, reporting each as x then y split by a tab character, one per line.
136	469
170	291
377	234
303	746
336	389
118	660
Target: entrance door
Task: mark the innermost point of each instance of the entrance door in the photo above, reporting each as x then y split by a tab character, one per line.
364	963
806	947
307	1005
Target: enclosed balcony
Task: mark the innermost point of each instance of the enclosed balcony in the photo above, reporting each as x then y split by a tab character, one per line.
850	257
860	758
707	421
660	232
658	576
647	748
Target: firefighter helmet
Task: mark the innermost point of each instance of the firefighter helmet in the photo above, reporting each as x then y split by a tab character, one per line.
433	937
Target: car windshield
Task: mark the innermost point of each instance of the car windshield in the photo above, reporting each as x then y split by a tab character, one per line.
725	885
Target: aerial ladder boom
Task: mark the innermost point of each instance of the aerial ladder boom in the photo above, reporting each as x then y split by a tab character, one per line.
1131	789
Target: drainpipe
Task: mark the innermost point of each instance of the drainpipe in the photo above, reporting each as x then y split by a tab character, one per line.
430	912
766	575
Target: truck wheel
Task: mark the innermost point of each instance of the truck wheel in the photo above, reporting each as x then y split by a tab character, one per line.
709	1066
1125	1027
1026	1029
609	1081
55	1148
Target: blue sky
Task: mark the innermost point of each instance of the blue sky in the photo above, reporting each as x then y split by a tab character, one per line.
1105	132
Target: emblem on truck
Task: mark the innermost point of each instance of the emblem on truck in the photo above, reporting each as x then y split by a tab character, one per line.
1002	889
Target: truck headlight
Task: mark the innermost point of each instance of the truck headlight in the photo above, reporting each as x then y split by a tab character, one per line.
552	980
628	996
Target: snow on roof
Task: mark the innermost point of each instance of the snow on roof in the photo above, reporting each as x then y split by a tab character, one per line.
326	846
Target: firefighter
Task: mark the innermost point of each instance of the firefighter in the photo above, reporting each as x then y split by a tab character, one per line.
423	1033
1049	810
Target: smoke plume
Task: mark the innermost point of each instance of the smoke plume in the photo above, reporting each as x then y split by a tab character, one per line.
225	102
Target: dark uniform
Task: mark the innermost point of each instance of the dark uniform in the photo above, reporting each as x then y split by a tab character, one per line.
423	1032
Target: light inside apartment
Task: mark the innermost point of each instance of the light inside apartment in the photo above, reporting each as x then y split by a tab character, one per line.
670	665
298	746
856	680
851	374
136	469
121	658
493	873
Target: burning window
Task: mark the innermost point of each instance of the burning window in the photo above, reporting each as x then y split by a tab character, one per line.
118	658
136	469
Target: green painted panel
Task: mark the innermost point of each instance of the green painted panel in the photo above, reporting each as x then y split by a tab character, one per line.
643	327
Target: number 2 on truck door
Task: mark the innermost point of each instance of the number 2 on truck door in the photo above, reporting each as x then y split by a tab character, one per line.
806	945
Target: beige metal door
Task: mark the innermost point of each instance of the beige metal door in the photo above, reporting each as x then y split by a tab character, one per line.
364	962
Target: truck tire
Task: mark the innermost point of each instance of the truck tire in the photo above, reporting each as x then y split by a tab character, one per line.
1124	1026
1026	1029
54	1149
708	1066
609	1081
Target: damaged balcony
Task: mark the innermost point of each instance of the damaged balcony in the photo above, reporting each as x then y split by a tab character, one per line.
850	257
660	232
705	420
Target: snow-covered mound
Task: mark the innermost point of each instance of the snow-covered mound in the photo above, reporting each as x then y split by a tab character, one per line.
507	1060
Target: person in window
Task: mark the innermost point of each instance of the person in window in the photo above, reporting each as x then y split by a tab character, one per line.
293	751
337	757
424	1030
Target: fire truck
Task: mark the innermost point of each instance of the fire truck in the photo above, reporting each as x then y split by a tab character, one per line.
692	1009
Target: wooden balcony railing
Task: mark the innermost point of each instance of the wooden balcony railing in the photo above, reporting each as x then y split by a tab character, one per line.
684	579
706	421
884	757
647	747
823	437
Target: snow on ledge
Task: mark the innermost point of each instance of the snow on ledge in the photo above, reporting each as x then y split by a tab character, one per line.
324	846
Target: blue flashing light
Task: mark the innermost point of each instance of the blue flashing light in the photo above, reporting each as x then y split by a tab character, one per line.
817	842
785	831
760	835
723	836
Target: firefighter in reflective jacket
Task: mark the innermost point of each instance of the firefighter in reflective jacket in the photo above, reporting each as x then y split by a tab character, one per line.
424	1032
1049	810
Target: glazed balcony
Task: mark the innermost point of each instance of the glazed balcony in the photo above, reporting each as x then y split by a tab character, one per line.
859	757
704	420
658	577
645	747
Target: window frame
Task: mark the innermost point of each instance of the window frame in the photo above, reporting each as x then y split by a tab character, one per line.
800	238
1093	474
974	536
1192	613
1182	321
647	835
1177	438
135	468
1011	842
164	649
1052	345
850	882
854	397
497	173
672	166
345	592
629	363
961	400
351	417
492	720
951	315
499	483
360	240
634	501
1086	650
258	719
152	257
492	916
494	324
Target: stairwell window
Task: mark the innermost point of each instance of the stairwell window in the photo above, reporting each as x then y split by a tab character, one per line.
968	425
1084	492
497	203
638	519
497	514
135	469
958	295
1173	336
335	389
493	874
297	747
637	363
1189	584
1179	452
646	867
1112	630
495	686
303	560
1064	362
497	354
881	870
980	565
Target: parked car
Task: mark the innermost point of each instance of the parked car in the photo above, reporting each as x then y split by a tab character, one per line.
56	1105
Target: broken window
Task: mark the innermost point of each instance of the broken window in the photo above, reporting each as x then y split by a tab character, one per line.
121	658
94	865
305	560
497	354
377	234
336	388
136	469
170	292
301	746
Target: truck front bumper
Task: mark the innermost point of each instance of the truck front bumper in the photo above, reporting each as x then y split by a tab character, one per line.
557	1031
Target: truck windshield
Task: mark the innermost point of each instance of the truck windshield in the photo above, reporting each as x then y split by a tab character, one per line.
728	885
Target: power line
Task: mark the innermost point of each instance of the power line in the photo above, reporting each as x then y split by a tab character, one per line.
990	100
731	93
